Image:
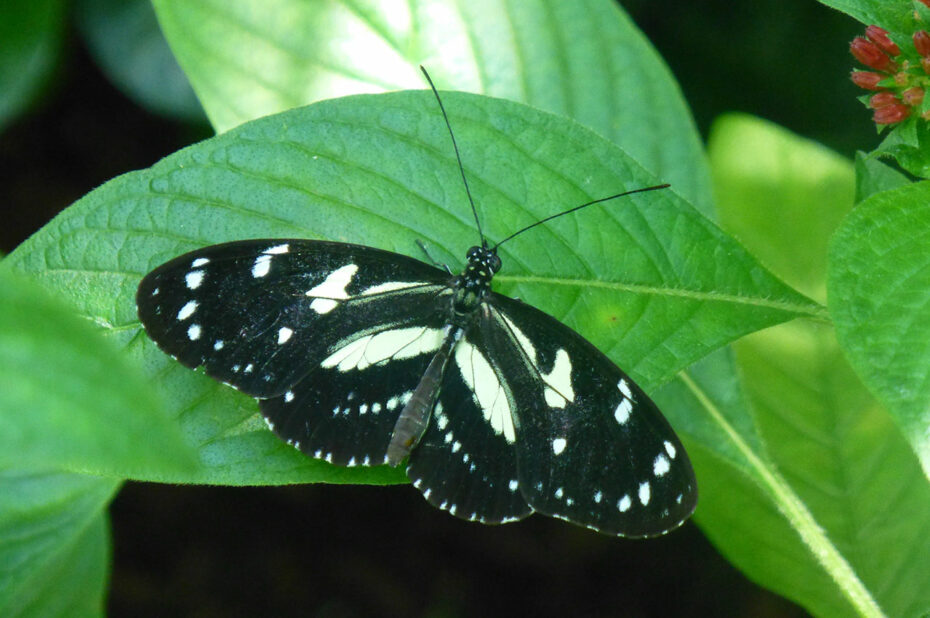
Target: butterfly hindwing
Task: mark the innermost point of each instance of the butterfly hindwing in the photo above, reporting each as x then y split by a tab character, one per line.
259	314
466	462
592	447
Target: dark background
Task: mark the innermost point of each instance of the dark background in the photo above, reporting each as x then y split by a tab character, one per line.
326	550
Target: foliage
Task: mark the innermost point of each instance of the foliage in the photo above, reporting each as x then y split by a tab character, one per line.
808	434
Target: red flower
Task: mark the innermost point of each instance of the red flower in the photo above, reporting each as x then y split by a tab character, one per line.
869	54
867	79
890	114
922	42
883	99
879	36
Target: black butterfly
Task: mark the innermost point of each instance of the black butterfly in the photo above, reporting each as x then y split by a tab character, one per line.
360	356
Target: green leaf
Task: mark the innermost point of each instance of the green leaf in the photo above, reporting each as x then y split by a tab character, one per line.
583	59
54	544
799	191
31	33
647	278
811	489
125	40
873	176
892	15
69	401
909	145
880	300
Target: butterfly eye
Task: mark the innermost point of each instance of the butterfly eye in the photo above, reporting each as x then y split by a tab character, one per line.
494	263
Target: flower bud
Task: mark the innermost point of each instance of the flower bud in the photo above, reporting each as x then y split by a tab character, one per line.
925	63
890	114
879	36
913	96
883	99
869	54
922	43
867	79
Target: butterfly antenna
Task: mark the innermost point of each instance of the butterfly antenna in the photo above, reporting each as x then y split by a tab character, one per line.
571	210
458	157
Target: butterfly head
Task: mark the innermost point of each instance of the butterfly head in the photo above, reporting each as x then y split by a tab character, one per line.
475	281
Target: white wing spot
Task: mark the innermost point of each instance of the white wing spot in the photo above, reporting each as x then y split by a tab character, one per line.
248	368
156	291
559	390
625	388
392	403
598	497
644	493
187	310
488	392
395	344
332	288
277	249
375	407
670	449
199	262
193	279
261	266
558	445
391	286
284	334
363	409
660	466
456	446
193	333
622	413
289	396
624	504
559	493
513	485
218	345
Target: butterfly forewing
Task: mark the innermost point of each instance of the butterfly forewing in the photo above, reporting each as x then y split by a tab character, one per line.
260	314
592	448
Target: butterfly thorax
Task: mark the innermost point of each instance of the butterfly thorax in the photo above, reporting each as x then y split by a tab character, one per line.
474	283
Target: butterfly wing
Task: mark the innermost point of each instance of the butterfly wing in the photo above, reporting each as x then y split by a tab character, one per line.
592	448
466	462
259	314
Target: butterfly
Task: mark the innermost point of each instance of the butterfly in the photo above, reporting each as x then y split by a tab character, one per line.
364	357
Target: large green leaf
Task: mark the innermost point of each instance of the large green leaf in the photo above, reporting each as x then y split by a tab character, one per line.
647	278
31	33
582	59
54	544
69	401
880	301
825	503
